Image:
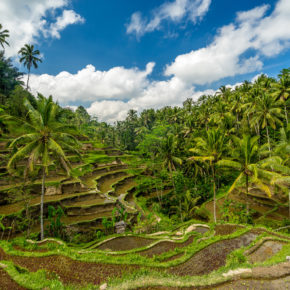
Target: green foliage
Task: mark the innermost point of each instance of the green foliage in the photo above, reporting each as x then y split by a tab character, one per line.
55	227
9	78
235	212
108	224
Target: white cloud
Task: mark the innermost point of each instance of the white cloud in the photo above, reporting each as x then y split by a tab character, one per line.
176	11
27	20
156	95
88	84
68	17
224	57
109	111
110	94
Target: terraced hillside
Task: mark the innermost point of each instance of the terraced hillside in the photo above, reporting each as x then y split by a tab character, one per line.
267	210
195	256
100	180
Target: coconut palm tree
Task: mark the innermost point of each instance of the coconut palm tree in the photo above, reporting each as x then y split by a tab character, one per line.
30	58
3	35
167	153
245	160
267	112
282	92
42	142
210	149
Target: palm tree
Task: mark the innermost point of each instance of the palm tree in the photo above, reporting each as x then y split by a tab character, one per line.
266	112
30	58
282	92
168	153
43	141
3	35
245	160
210	149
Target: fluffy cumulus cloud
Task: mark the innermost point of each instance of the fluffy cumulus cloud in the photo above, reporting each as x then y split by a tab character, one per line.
156	95
110	94
89	84
264	35
175	11
35	18
68	17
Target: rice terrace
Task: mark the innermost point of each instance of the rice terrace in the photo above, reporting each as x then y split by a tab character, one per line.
172	176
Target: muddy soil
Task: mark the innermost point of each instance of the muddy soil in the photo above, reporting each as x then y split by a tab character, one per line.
125	244
201	230
265	251
222	230
212	257
163	247
6	283
246	284
69	271
242	284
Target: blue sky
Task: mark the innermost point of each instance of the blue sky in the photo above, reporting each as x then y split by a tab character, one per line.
114	55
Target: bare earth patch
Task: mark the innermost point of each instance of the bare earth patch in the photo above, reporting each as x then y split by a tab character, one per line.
69	271
6	283
212	257
165	246
125	244
265	251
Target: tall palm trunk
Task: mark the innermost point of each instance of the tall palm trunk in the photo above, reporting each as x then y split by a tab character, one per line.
268	137
286	113
41	204
28	79
214	195
247	191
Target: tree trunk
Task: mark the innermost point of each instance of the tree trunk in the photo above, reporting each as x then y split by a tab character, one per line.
214	195
41	204
268	137
285	109
28	79
247	193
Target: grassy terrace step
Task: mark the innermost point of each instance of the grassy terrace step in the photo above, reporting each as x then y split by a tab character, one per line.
85	210
85	200
268	209
49	180
17	207
71	220
124	185
106	181
213	256
90	180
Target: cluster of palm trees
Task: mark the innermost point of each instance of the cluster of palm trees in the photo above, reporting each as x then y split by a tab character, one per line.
244	129
28	55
